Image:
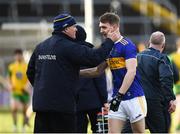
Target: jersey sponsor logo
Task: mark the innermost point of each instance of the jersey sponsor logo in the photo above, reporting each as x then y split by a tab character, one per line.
116	63
19	75
128	94
46	57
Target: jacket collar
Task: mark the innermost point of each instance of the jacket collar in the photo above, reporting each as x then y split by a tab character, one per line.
153	49
61	34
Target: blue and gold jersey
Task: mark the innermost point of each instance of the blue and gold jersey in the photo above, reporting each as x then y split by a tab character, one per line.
123	50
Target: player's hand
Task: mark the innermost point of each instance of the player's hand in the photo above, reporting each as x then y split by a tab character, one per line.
9	87
106	107
172	106
115	102
25	92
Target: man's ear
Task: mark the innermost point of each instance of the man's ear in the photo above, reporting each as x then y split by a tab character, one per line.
163	46
65	30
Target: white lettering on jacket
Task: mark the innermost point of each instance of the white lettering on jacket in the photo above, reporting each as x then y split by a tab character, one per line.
46	57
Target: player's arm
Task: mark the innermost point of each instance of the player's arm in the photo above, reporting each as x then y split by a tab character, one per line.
95	71
9	83
131	65
27	87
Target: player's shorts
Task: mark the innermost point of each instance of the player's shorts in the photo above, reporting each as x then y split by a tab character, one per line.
134	109
23	98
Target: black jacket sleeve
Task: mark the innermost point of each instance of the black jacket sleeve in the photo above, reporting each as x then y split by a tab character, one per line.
86	56
31	68
101	86
166	78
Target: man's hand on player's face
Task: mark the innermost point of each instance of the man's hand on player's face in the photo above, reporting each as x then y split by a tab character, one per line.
114	35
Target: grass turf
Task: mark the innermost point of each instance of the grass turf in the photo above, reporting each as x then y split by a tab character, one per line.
6	123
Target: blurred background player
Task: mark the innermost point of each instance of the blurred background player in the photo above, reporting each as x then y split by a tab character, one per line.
141	46
92	94
175	58
18	86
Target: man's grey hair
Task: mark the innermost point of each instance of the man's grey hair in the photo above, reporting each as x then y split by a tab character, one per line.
157	38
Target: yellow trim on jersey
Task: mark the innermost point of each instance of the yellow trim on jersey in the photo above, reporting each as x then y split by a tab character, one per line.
116	63
122	41
119	40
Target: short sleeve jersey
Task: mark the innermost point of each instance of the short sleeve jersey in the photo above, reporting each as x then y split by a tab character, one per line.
17	73
123	50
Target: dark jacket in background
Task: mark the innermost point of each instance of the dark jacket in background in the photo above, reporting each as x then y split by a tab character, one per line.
53	71
156	75
89	88
92	93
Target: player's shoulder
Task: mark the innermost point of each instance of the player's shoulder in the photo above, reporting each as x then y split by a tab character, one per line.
125	41
174	55
24	64
165	58
12	65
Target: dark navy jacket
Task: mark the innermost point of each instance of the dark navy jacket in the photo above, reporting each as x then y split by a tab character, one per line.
156	75
92	93
53	70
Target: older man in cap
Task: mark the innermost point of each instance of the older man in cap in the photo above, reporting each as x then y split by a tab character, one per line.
53	71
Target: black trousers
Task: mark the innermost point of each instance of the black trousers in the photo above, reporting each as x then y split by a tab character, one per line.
82	120
157	119
54	122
